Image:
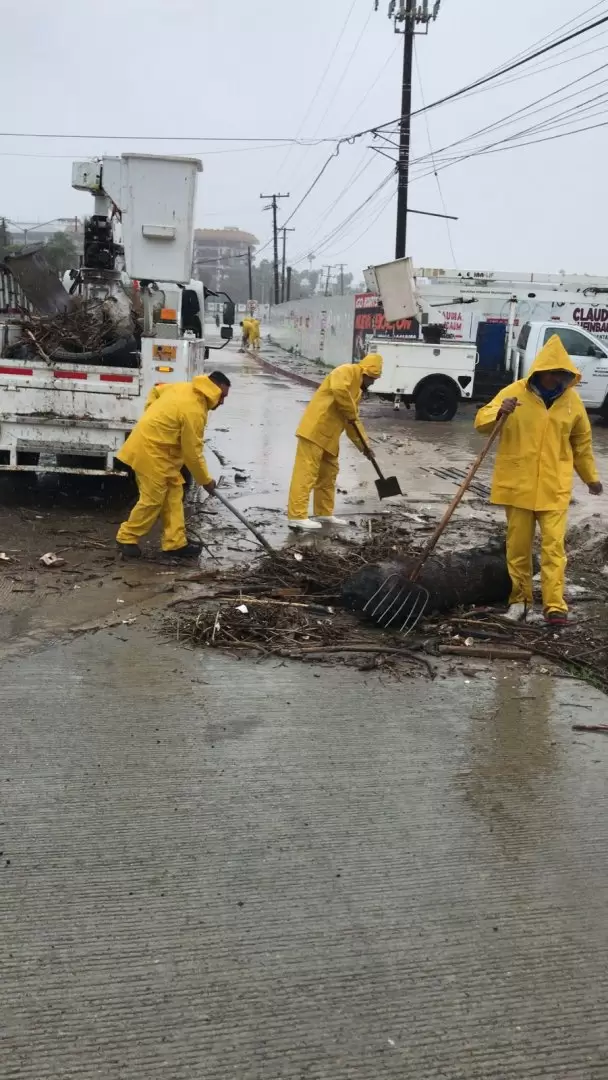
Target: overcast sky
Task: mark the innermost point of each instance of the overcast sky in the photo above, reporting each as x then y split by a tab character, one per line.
196	69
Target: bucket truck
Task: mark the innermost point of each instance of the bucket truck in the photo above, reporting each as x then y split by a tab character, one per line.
69	409
435	373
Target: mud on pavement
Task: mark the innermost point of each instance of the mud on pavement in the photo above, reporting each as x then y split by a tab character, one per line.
250	443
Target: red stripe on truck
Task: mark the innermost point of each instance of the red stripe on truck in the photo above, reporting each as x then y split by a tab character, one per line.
70	374
16	371
116	378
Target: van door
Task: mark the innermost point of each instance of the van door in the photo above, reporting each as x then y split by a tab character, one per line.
590	358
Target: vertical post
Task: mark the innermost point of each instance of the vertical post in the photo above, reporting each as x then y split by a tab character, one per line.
250	273
326	293
284	231
288	285
341	279
275	243
275	238
403	165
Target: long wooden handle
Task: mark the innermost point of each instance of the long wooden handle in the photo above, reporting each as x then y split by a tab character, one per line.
432	541
370	452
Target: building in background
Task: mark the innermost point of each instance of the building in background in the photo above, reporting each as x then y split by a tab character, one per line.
220	260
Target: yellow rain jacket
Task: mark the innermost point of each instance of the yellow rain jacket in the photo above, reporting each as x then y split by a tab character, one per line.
170	432
336	403
539	448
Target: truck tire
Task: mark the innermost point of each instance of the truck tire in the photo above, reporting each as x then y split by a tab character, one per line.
437	400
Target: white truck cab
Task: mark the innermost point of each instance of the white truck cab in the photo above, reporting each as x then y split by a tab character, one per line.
588	354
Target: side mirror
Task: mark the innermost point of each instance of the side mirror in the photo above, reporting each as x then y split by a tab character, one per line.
226	333
228	314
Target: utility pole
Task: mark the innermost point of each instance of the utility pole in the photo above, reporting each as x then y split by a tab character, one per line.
275	236
284	230
341	269
407	13
329	270
288	285
250	273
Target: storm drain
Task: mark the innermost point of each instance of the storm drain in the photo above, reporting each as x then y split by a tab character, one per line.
457	476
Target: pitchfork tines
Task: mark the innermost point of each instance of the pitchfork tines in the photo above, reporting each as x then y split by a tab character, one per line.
397	604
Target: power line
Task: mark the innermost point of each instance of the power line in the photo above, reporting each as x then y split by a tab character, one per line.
525	109
428	132
345	71
493	75
321	81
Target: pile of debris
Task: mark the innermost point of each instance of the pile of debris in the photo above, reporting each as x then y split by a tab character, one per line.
294	605
92	331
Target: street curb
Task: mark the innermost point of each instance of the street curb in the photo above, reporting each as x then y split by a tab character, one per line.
276	369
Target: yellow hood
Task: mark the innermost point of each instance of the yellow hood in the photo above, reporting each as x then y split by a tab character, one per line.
553	357
371	365
204	385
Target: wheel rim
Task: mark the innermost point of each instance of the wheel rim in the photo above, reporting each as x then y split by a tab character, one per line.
440	402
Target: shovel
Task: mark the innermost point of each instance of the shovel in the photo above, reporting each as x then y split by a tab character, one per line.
386	486
237	513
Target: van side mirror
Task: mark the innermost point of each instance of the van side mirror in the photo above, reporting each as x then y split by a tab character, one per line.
226	333
228	315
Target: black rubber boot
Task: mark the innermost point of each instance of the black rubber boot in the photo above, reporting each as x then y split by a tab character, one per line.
191	550
129	551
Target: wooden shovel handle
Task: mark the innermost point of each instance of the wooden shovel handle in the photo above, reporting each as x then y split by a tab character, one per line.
369	452
432	541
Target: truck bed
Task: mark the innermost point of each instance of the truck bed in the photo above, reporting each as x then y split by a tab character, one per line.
70	410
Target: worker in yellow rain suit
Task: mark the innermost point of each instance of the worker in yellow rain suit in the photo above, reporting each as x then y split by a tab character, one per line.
254	334
330	411
169	436
246	331
546	436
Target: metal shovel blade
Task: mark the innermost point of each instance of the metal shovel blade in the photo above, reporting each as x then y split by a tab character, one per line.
388	487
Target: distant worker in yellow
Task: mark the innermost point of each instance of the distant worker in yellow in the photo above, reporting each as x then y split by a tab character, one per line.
254	333
547	435
168	437
245	332
331	410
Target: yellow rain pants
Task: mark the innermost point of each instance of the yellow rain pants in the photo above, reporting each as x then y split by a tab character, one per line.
521	526
314	470
158	497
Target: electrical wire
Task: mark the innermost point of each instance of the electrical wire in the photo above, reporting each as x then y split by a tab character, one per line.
335	232
491	76
383	207
353	53
557	30
383	70
428	132
527	109
320	83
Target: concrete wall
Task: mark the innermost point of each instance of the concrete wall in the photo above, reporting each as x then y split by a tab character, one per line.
320	328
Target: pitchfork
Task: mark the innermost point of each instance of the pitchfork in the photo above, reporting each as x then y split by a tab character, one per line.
404	602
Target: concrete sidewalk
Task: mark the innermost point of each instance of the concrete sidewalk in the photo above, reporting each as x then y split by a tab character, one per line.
222	869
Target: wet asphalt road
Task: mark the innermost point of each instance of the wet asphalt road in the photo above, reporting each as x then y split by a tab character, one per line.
252	871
